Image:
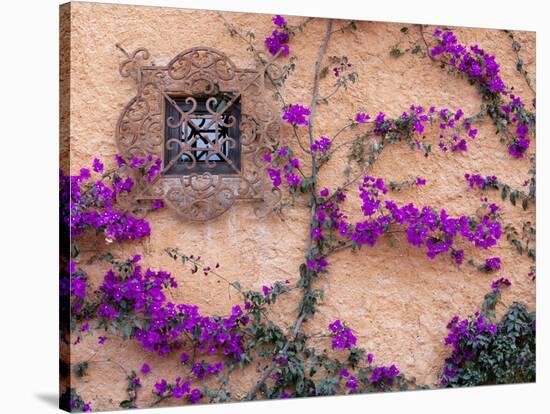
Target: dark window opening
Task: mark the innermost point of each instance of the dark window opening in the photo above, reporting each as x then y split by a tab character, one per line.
200	143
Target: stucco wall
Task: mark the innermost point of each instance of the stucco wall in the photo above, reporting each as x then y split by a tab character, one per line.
396	300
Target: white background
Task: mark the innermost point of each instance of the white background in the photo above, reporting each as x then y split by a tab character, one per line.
28	203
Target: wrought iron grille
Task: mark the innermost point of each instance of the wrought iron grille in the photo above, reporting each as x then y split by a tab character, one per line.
211	124
209	145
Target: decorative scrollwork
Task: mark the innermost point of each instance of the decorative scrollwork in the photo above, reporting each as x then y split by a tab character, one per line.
196	93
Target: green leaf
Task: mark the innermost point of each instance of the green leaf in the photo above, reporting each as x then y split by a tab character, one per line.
127	330
505	190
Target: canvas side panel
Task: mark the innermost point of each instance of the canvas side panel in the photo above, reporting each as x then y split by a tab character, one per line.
64	235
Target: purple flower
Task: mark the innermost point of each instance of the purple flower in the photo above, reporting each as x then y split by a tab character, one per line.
321	145
101	340
317	233
519	147
97	166
462	145
343	340
180	388
496	284
352	383
266	290
292	179
384	374
342	337
324	192
236	311
119	161
78	287
184	358
276	42
279	21
153	169
267	157
296	115
477	180
458	255
157	204
317	264
336	326
136	162
275	176
522	130
362	117
107	311
145	368
492	264
84	173
160	387
295	163
194	396
370	358
420	181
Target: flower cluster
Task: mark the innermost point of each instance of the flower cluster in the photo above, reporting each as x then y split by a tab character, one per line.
296	115
201	370
317	264
488	353
361	117
480	181
453	126
279	38
321	145
342	337
177	390
482	68
79	405
472	61
290	167
464	333
426	227
492	264
368	192
90	204
385	375
351	381
328	217
76	285
498	283
141	293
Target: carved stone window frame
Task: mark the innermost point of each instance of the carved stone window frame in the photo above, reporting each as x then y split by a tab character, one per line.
200	71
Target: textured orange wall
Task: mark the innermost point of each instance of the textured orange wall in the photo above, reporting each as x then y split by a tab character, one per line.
397	300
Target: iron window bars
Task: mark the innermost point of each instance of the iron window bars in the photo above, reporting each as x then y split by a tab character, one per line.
212	146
